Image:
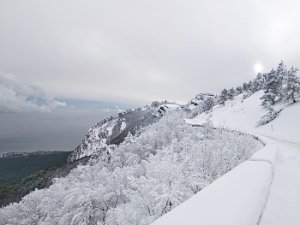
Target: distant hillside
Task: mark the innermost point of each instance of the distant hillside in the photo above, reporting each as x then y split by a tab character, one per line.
16	166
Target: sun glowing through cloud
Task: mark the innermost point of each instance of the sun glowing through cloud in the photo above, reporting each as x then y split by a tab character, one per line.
258	67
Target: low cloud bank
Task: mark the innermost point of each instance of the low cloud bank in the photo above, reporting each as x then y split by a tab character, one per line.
18	96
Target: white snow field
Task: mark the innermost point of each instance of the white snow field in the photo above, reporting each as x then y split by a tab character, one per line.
263	190
243	114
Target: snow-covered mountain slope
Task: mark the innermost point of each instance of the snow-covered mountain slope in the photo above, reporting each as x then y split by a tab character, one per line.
264	190
113	130
244	114
143	178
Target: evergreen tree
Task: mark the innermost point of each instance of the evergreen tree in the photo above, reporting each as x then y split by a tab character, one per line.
258	82
245	87
250	87
281	73
239	90
223	97
208	104
292	86
274	85
270	92
231	94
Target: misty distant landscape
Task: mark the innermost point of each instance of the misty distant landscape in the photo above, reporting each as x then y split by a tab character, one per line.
59	130
15	167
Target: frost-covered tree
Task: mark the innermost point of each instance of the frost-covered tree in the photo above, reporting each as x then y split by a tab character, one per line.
223	97
272	89
268	117
239	90
203	106
258	82
280	84
208	104
291	87
231	93
281	73
245	87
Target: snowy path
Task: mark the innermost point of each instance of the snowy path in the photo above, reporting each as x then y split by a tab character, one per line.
283	205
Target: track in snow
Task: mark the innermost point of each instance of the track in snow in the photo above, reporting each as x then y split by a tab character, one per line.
283	205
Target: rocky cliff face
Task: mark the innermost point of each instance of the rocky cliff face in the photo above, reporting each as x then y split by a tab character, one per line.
113	130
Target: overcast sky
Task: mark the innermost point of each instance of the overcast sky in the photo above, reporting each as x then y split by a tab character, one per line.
66	64
143	50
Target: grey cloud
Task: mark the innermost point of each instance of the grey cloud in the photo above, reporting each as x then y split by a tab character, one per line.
145	50
17	96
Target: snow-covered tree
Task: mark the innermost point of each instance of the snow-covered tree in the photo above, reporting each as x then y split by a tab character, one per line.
231	93
291	87
280	84
268	117
272	89
208	104
239	90
245	87
223	97
258	82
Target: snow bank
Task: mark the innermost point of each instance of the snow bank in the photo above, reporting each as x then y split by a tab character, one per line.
236	198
